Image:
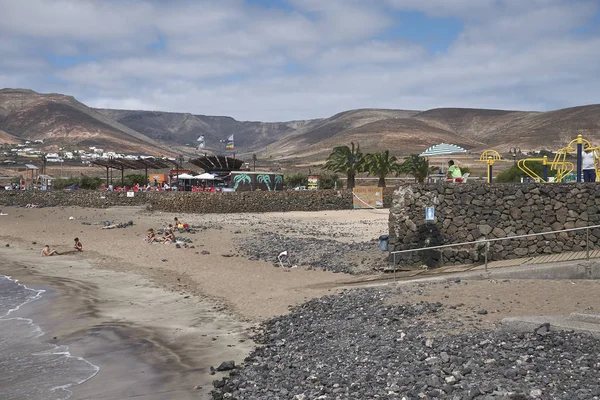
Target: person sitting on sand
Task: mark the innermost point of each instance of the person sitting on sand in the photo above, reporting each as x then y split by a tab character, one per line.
47	252
178	224
170	236
78	245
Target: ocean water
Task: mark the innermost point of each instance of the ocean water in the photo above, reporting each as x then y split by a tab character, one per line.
29	368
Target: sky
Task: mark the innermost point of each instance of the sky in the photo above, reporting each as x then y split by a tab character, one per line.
281	60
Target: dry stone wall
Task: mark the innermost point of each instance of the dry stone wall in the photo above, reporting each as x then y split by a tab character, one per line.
476	212
203	202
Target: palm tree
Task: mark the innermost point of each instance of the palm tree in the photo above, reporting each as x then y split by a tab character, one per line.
266	179
347	160
418	167
381	165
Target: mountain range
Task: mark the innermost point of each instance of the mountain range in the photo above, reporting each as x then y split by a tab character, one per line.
62	121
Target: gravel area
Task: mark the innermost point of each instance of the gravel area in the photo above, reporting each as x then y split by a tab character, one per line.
362	344
323	254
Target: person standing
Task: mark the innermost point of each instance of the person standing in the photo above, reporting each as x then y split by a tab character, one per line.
588	165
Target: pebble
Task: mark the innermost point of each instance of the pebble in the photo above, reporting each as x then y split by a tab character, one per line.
324	254
317	351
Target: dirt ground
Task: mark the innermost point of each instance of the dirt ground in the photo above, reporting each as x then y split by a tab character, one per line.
482	304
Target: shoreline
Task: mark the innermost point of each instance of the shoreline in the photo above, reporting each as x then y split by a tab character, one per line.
142	350
156	318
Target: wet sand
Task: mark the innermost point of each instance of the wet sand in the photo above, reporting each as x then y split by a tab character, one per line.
147	341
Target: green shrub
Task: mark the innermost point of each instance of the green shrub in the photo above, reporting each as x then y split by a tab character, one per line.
84	182
514	174
329	181
295	179
90	182
133	179
61	183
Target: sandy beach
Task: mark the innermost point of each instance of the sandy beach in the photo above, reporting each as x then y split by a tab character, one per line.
155	318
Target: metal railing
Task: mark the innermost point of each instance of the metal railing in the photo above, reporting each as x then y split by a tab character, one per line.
486	244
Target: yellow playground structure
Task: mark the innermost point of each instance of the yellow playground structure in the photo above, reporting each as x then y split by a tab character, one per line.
559	166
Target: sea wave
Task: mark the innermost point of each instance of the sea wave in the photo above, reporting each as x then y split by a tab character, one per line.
30	368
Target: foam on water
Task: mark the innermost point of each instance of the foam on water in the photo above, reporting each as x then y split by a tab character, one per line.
29	368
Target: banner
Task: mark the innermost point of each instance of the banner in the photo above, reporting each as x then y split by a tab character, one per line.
313	182
200	141
367	197
230	145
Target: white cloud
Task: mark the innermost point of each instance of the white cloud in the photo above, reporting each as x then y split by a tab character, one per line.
229	58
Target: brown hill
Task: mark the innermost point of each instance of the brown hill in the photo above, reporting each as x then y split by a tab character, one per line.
502	130
5	138
179	129
62	121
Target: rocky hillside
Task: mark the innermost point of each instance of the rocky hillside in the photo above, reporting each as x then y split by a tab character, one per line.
401	131
179	129
62	121
502	130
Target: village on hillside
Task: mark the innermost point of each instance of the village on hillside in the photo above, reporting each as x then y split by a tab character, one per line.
33	150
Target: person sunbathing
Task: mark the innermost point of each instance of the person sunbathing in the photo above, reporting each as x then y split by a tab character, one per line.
151	237
47	252
78	245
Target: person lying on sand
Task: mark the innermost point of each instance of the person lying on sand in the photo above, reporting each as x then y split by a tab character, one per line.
47	252
78	246
151	237
32	206
119	225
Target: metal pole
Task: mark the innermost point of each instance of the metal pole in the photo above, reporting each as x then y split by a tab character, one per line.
487	247
515	164
579	156
394	267
587	244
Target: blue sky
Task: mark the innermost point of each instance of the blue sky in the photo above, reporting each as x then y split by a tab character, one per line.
276	60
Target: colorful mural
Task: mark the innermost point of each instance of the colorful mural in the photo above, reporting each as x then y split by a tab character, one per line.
250	181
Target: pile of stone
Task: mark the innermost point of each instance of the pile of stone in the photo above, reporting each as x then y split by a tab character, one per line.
323	254
359	345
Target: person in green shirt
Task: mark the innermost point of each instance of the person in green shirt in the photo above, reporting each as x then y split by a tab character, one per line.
454	172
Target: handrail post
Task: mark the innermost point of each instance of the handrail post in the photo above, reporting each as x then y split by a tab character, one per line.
487	247
587	244
394	267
